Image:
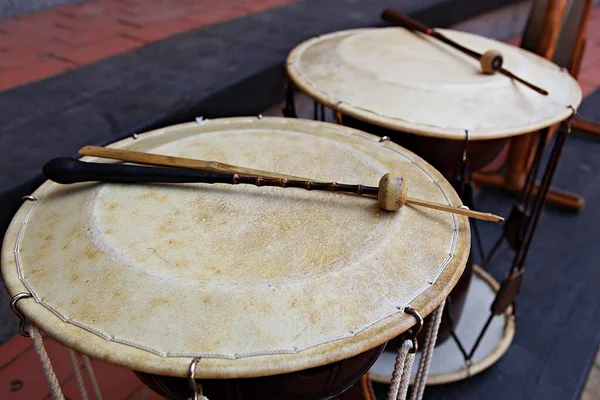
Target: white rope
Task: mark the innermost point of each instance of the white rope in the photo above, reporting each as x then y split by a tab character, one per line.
401	375
90	370
78	375
405	381
430	338
38	345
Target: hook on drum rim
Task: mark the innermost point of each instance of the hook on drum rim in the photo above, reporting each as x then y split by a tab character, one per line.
18	313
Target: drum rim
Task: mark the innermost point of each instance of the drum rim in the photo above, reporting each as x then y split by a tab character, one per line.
364	115
490	359
133	358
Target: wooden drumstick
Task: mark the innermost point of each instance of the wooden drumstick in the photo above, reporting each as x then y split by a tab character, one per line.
391	193
177	162
491	61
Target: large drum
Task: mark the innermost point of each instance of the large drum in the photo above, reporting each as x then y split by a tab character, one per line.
436	101
428	96
277	293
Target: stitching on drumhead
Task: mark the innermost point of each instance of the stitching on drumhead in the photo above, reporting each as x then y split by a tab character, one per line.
109	338
303	47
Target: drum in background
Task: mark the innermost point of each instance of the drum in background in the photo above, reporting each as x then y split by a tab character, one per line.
274	291
426	95
435	101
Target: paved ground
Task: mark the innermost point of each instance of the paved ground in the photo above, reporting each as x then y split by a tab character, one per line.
43	44
47	43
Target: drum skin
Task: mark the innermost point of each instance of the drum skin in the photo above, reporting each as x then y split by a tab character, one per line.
268	288
444	154
454	308
318	383
409	82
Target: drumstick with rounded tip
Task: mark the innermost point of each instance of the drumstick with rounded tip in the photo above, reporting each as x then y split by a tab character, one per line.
139	157
391	193
179	162
491	61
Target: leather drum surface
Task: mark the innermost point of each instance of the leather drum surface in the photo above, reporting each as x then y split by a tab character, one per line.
254	280
409	82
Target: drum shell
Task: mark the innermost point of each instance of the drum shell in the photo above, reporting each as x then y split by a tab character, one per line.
444	154
323	382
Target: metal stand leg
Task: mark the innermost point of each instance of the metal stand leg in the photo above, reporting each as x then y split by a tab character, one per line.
510	287
516	224
540	199
289	110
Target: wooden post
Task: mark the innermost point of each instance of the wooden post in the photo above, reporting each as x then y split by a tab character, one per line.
522	147
543	40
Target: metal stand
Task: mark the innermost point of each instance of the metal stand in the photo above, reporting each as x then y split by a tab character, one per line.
519	230
289	110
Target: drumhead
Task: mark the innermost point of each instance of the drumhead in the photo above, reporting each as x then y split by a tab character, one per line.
255	281
410	82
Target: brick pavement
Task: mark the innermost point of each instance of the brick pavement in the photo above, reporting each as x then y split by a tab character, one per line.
589	75
47	43
21	376
39	45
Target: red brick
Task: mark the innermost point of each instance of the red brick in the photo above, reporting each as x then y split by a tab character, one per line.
156	16
261	5
588	83
208	16
89	31
93	9
160	31
30	22
10	59
591	54
87	37
40	45
591	58
131	2
15	56
99	50
41	68
24	378
114	382
13	349
31	39
78	12
89	25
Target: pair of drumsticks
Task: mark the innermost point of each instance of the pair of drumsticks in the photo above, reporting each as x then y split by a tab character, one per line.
491	61
391	192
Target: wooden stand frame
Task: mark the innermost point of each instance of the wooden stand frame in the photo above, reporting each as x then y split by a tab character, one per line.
546	38
578	122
